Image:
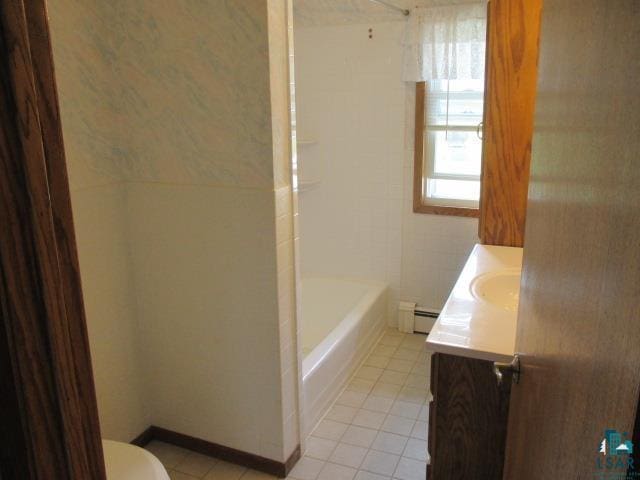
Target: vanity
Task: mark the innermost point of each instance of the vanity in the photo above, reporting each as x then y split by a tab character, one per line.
470	405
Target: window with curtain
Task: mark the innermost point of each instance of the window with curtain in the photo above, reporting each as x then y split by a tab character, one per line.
445	55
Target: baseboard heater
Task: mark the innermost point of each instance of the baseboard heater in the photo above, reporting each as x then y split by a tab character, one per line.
413	318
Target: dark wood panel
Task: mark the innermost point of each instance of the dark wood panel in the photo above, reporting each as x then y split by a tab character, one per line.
579	317
513	33
467	419
49	365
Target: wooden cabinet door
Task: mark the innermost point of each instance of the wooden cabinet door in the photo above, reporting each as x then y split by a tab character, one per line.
467	419
513	30
579	319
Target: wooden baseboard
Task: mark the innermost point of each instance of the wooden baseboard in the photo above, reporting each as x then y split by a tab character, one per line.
227	454
144	438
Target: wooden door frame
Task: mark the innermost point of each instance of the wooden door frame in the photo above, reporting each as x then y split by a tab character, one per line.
50	425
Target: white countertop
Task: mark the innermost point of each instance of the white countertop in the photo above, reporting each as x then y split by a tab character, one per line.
470	326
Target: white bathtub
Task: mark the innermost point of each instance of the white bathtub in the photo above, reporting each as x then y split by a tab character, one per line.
341	320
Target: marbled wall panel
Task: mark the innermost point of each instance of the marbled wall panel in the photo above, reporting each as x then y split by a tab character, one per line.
168	91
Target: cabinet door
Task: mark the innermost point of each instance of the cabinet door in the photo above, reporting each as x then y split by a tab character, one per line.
513	29
467	419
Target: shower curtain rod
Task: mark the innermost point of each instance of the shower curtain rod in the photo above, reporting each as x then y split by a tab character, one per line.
404	11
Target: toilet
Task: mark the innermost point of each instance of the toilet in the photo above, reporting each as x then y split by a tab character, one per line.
128	462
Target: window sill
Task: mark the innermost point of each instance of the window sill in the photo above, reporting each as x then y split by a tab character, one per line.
419	207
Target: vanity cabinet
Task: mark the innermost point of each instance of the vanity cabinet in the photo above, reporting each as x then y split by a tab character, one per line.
467	419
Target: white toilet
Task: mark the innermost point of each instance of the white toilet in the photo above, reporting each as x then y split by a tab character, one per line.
128	462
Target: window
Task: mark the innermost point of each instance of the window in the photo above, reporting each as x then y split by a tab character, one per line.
448	146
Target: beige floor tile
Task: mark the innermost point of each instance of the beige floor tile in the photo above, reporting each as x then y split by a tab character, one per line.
169	455
195	464
369	373
405	354
395	378
410	469
406	409
369	419
330	430
332	471
360	385
398	425
413	395
174	475
384	350
359	436
352	399
320	448
419	431
390	443
382	463
391	340
377	361
348	455
417	381
387	390
397	365
307	469
416	449
341	413
378	404
362	475
225	471
255	475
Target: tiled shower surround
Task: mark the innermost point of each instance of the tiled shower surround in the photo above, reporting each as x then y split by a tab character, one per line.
358	221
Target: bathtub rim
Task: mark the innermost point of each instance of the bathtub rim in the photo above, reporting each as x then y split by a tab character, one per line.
350	321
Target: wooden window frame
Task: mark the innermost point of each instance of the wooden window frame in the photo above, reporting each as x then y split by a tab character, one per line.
419	205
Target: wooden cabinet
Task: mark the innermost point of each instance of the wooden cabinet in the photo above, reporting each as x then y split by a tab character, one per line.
511	74
467	419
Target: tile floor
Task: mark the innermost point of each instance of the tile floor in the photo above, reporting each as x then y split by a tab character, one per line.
376	430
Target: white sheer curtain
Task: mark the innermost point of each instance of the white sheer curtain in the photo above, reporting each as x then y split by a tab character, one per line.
445	42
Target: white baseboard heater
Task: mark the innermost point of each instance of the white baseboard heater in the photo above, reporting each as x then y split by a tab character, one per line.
412	318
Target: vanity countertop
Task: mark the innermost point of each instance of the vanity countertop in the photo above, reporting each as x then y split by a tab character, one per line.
479	318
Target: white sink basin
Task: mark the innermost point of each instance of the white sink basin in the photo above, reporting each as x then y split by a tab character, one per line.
501	288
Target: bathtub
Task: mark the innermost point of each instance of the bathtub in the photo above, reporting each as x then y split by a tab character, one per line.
341	320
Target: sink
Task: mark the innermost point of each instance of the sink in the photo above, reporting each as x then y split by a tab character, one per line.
500	288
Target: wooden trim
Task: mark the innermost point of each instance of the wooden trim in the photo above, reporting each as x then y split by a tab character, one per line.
47	367
418	147
291	461
487	43
144	438
444	210
245	459
419	205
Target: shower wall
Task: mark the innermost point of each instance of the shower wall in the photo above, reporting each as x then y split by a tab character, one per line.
357	220
92	128
182	110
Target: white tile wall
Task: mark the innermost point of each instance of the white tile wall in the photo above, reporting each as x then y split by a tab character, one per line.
156	102
110	306
359	221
